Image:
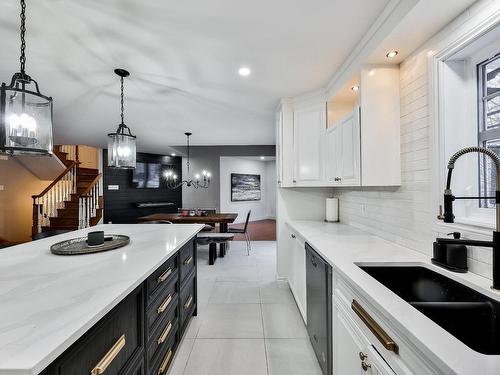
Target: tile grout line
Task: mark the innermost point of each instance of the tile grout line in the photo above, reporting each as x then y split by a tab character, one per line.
263	330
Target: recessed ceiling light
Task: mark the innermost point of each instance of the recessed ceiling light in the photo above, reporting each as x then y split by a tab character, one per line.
244	71
172	154
355	88
262	157
392	54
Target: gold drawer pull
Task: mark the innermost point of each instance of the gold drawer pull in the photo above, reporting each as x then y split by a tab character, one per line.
164	276
165	333
188	260
188	303
376	329
165	362
105	361
164	304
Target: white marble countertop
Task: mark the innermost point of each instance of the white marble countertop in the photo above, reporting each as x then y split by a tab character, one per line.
47	301
343	246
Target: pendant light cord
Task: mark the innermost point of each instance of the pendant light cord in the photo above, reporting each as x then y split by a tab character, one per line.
22	59
121	98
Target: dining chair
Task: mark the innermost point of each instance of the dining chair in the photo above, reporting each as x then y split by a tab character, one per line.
243	231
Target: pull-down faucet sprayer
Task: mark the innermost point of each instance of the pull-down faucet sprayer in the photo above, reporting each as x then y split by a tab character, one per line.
449	217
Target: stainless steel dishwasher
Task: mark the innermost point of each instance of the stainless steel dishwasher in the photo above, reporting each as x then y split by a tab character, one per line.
319	307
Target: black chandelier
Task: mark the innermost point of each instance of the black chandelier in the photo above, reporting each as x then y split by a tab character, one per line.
25	114
199	181
121	144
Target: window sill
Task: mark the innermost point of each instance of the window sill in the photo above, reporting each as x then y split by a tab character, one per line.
466	226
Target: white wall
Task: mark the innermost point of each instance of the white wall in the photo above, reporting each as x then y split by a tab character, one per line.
260	209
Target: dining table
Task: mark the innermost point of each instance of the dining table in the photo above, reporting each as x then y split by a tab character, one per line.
221	218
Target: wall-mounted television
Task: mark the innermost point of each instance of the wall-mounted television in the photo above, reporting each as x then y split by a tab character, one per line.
146	175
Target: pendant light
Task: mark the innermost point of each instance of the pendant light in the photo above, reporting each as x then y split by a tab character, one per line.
121	144
25	114
199	181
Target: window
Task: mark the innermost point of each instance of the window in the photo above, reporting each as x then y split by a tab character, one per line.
488	73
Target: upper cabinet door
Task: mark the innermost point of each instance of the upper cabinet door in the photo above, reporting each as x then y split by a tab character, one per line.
351	149
343	151
279	147
334	154
309	135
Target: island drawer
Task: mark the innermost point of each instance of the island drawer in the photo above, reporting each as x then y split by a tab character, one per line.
162	361
164	275
165	301
187	260
187	299
110	346
162	332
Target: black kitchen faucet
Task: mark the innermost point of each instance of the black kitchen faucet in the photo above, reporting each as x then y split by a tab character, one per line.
449	217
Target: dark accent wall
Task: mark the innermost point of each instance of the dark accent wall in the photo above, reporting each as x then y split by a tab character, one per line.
120	206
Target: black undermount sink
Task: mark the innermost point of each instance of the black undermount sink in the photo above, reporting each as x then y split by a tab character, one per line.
467	314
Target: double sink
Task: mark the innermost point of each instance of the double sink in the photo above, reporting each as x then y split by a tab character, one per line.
470	316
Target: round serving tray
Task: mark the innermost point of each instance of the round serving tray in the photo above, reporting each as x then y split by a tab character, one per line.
79	246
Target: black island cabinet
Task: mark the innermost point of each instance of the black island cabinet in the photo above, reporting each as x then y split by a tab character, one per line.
140	335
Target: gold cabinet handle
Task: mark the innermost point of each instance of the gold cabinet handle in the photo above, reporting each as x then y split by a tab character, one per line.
164	363
376	329
105	361
164	276
164	304
165	333
188	303
188	260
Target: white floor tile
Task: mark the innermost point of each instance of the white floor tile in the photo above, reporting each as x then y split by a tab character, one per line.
235	292
283	321
232	321
239	303
181	357
237	273
276	292
291	357
227	357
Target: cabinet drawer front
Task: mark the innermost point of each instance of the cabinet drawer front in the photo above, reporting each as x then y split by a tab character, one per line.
162	305
187	261
162	333
110	345
161	363
187	300
161	277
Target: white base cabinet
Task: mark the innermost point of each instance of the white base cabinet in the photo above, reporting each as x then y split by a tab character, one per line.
296	269
353	354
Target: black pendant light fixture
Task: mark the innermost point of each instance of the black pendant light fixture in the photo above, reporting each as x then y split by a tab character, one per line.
25	114
121	144
200	181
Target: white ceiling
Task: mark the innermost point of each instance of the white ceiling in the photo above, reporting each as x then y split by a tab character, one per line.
183	57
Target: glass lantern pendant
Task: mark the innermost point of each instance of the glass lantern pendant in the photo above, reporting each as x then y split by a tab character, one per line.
25	114
121	144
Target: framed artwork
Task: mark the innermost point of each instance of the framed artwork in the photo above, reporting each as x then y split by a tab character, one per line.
245	187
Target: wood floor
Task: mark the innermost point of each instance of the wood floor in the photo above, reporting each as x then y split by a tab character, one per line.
261	230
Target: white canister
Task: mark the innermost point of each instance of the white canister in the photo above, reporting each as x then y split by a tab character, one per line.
332	210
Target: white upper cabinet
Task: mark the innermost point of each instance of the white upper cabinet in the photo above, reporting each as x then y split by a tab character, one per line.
380	126
284	144
309	135
343	151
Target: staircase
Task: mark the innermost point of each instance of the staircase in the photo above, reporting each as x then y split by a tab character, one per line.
73	200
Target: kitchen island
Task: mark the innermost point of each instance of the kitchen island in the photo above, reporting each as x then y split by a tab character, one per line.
122	311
